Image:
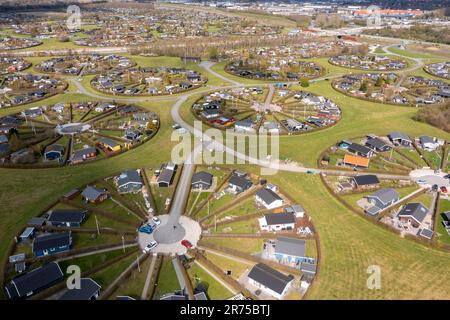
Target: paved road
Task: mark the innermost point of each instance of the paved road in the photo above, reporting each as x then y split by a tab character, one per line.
177	266
207	66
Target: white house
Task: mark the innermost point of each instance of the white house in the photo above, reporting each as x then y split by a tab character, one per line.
270	281
277	221
268	198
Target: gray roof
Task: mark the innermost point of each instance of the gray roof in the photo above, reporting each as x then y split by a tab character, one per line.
366	180
290	246
92	193
67	215
376	143
51	240
268	196
35	280
244	123
88	289
269	277
308	268
202	176
415	210
166	176
426	233
359	148
426	139
385	195
297	208
279	218
37	221
129	176
396	135
373	210
240	182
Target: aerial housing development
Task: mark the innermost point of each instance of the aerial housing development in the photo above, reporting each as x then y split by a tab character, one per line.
224	150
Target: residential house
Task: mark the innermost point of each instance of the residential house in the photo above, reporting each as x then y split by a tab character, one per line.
239	184
129	181
381	199
270	281
109	144
399	138
202	180
413	214
277	221
428	143
268	198
89	290
52	243
356	161
34	281
66	217
365	181
83	155
360	150
166	176
54	152
377	144
94	195
245	125
290	250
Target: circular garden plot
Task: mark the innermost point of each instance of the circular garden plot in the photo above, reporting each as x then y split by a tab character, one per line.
73	133
390	88
392	179
274	110
12	43
116	34
368	62
84	64
440	69
148	81
12	64
275	68
17	89
106	227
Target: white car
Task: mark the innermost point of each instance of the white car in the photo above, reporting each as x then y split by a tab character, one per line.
156	220
150	246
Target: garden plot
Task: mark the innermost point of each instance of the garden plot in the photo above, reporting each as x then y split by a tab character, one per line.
439	69
273	111
73	133
394	89
83	64
17	89
12	64
375	154
148	81
275	68
369	62
14	43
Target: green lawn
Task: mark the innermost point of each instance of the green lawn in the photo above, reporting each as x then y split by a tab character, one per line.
215	290
167	280
444	206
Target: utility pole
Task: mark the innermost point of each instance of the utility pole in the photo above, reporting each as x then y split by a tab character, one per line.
123	243
139	267
96	223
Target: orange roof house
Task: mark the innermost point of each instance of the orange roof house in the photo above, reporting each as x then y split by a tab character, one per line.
356	161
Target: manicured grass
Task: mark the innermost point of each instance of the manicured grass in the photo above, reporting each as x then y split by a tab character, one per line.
88	262
215	290
167	280
107	276
444	206
410	54
237	268
248	245
134	285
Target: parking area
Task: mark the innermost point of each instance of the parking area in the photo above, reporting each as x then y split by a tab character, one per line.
191	230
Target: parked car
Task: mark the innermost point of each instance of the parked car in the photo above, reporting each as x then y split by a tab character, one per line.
435	187
421	181
156	221
443	189
150	246
146	229
186	244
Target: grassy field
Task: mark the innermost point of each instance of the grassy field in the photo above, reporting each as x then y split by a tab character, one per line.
215	290
167	280
348	242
